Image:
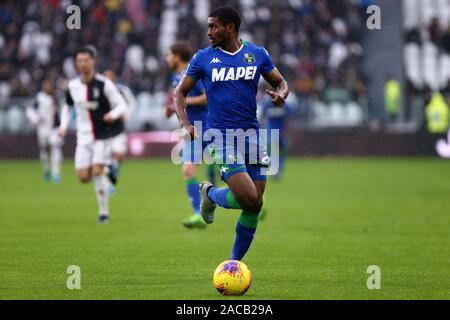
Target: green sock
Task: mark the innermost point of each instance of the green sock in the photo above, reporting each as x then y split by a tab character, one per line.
231	201
249	219
192	181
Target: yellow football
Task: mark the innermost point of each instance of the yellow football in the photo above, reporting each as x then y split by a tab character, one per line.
232	278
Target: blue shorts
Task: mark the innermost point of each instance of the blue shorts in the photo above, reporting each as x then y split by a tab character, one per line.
253	159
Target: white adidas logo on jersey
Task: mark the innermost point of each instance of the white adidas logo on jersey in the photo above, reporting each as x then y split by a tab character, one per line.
222	74
215	60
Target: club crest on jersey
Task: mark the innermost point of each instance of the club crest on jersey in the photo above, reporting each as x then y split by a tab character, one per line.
249	58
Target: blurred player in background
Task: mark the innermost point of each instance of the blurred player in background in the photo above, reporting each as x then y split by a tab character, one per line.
230	70
276	118
44	114
177	59
119	142
98	105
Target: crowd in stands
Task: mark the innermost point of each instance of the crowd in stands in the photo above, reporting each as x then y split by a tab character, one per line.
427	50
315	43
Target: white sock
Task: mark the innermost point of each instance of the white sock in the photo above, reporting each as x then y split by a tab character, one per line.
101	191
56	159
44	157
108	182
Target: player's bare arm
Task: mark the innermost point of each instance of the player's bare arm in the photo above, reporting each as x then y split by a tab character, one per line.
200	100
179	99
276	80
65	120
168	108
118	103
108	118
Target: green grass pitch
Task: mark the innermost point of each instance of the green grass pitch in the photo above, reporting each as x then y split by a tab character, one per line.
328	220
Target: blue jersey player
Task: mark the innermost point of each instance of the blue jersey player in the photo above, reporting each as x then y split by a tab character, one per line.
177	59
230	70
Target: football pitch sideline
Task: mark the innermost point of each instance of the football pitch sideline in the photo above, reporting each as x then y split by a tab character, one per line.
328	220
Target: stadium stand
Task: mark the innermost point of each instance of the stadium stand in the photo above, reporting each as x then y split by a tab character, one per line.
316	44
427	49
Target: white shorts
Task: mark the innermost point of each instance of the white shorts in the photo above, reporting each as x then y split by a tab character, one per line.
49	138
119	143
97	152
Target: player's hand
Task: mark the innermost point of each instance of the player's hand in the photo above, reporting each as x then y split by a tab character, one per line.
62	133
189	133
169	111
108	118
277	99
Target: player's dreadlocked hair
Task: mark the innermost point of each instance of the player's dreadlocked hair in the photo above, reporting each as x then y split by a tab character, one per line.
183	50
227	15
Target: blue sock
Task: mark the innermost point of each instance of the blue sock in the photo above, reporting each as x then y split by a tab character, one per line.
223	197
193	191
243	240
219	196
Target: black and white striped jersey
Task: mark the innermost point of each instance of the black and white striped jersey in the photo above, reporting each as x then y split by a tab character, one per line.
92	100
43	112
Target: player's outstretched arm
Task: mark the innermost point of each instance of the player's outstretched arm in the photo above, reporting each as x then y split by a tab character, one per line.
276	80
179	100
200	100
